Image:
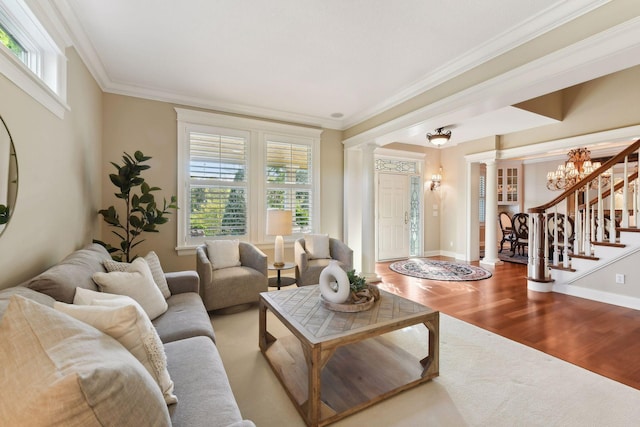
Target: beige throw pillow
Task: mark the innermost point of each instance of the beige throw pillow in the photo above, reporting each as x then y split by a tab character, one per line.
223	253
136	283
317	246
154	265
123	319
67	373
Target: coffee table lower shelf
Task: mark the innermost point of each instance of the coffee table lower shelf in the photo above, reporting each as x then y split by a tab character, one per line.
357	375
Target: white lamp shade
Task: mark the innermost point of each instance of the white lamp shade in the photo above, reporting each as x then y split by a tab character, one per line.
278	222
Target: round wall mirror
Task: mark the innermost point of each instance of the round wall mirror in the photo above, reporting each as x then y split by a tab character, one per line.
8	176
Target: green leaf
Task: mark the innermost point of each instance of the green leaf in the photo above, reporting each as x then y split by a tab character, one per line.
135	221
147	198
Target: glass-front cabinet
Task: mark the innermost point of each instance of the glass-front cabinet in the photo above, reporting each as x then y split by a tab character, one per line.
509	184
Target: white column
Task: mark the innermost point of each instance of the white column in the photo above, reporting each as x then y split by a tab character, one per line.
491	217
368	214
625	195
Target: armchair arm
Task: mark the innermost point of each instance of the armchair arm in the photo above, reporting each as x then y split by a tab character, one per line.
183	281
203	267
341	252
251	256
300	255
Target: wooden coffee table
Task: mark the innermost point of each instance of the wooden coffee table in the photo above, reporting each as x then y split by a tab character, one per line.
337	363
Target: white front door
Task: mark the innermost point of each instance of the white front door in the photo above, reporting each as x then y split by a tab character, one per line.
393	216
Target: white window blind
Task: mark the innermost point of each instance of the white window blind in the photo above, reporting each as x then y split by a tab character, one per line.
218	184
289	181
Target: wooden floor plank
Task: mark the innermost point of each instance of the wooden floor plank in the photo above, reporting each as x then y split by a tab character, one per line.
600	337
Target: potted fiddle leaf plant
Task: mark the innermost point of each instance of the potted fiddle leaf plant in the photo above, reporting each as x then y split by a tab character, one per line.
141	212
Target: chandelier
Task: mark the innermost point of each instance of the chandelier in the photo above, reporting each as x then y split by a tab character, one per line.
573	170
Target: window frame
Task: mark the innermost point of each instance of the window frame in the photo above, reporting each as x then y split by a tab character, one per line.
216	130
44	74
292	140
259	132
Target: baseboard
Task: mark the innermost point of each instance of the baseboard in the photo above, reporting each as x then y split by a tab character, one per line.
431	253
600	296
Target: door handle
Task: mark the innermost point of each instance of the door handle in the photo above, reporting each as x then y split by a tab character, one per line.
406	217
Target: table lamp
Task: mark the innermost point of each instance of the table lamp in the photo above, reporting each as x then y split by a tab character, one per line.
278	224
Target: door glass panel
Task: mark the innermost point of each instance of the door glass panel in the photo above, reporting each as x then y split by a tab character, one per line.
414	215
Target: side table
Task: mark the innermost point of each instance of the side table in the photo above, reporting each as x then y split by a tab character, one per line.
281	281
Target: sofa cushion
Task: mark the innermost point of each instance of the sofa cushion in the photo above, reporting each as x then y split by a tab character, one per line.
154	265
61	280
64	372
137	283
186	317
125	321
204	393
6	294
223	253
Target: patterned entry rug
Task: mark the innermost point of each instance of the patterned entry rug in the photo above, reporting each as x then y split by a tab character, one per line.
424	268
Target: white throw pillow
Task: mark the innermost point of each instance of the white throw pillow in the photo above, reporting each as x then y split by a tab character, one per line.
136	283
223	253
154	265
123	319
61	371
317	246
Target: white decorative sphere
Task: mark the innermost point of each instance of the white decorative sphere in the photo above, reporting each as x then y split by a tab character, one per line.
338	289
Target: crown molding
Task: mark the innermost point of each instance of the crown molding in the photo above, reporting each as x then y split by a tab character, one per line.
226	107
81	43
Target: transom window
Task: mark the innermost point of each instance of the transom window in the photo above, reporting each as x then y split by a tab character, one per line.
31	56
231	170
12	44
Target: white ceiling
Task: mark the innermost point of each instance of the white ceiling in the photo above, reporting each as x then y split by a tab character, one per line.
305	60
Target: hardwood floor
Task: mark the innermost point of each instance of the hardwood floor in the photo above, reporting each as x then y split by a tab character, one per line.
599	337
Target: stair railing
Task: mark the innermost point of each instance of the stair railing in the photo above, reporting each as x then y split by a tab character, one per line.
588	218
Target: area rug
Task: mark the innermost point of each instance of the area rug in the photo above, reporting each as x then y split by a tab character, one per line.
424	268
485	380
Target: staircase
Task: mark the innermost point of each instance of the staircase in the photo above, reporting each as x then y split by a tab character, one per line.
586	242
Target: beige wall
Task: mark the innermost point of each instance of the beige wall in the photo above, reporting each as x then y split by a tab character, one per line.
132	124
609	102
59	165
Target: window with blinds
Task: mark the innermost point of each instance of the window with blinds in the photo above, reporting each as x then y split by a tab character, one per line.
231	170
288	178
218	184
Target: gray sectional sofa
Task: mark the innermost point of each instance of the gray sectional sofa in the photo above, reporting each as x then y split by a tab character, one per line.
204	394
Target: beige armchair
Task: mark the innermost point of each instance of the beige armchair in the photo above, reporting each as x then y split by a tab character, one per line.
308	270
231	286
